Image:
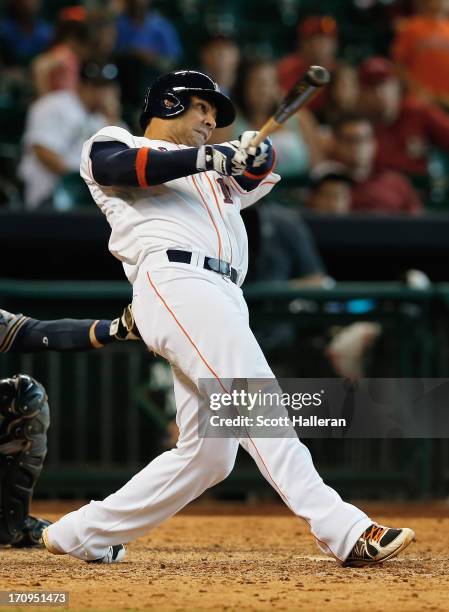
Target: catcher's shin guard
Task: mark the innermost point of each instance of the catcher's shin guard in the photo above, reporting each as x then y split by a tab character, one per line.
24	421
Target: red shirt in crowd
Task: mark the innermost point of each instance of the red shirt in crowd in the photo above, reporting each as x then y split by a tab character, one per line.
385	191
290	69
422	47
404	145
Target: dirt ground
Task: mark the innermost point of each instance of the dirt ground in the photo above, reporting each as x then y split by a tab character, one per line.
244	557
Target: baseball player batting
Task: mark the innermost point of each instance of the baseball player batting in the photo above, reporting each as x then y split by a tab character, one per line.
173	203
25	413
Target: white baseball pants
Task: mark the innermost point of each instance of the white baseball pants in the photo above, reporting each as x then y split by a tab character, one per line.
198	321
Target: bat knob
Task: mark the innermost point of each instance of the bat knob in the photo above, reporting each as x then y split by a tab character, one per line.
318	76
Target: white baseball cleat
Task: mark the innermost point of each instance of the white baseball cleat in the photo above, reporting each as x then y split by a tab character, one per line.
378	544
115	554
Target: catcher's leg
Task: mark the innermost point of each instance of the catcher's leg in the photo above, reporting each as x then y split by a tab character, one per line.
24	420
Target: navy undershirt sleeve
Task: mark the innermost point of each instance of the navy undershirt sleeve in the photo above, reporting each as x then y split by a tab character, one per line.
113	163
60	335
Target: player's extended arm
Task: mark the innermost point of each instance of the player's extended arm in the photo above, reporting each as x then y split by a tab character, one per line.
113	163
34	336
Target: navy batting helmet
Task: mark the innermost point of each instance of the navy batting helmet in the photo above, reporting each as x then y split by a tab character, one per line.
169	96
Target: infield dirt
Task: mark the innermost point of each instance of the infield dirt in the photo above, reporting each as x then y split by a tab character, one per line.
215	557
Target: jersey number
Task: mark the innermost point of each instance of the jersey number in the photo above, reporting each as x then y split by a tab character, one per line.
225	191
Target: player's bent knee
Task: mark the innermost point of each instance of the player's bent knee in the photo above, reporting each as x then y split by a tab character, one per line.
219	464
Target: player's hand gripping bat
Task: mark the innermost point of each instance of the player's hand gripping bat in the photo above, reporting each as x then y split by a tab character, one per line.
306	88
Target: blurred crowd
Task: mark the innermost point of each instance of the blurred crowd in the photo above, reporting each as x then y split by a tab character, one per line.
376	140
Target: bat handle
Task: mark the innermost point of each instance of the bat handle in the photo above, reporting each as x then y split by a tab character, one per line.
268	128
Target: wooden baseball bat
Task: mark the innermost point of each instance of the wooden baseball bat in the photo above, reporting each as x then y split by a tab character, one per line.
302	92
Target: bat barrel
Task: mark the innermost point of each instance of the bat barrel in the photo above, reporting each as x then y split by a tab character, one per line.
299	95
302	92
317	76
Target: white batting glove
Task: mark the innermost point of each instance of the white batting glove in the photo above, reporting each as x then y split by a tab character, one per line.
227	159
256	156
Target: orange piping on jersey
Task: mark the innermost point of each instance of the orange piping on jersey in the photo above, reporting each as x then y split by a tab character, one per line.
141	167
215	375
219	210
215	195
210	215
208	210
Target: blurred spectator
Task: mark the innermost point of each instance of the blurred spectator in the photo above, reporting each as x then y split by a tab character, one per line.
379	191
405	127
317	44
282	247
220	56
57	126
421	48
103	37
330	190
23	34
147	36
257	96
76	12
342	97
59	67
342	93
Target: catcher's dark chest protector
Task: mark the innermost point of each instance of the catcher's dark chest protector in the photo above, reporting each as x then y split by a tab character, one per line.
24	420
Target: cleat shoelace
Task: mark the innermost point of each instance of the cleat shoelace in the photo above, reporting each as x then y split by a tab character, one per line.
374	533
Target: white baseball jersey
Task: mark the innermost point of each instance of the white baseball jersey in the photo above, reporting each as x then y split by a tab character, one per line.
197	212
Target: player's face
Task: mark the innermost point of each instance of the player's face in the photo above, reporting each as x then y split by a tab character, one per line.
194	127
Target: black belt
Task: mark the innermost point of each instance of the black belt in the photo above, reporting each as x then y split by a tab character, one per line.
216	265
